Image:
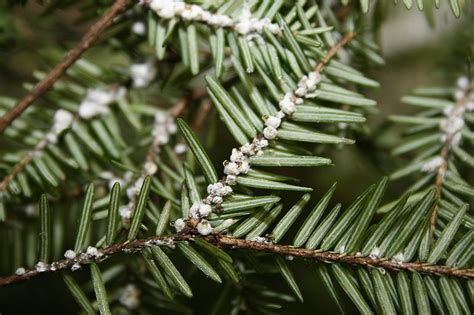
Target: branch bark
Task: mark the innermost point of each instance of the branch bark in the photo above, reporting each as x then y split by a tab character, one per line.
333	51
71	57
234	243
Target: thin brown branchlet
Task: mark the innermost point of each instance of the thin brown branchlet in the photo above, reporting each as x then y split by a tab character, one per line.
451	127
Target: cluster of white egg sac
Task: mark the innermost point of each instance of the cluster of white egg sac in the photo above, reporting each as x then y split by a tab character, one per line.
62	121
432	164
130	296
164	127
245	24
97	101
452	125
306	85
240	158
126	211
217	192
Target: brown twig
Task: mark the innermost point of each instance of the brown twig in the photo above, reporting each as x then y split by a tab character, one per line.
442	169
202	115
234	243
75	53
333	51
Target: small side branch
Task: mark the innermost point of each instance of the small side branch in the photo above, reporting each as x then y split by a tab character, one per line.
235	243
71	57
445	152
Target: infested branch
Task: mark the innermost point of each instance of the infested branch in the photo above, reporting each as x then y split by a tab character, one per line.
234	243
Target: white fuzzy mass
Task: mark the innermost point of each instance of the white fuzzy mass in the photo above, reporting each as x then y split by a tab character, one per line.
97	101
179	225
62	120
70	254
130	296
204	227
270	133
142	74
432	164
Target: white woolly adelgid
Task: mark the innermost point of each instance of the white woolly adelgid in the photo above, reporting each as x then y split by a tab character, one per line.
164	126
260	239
399	258
125	213
273	121
374	253
150	168
308	84
129	296
62	120
20	271
204	227
462	86
135	188
93	252
75	267
97	101
244	24
247	24
270	132
452	125
179	225
200	210
70	254
180	148
142	74
139	28
432	164
41	266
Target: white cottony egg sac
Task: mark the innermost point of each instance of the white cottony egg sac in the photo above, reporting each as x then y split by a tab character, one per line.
244	23
142	74
97	101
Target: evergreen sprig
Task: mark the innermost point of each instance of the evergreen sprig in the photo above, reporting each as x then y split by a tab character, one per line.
286	81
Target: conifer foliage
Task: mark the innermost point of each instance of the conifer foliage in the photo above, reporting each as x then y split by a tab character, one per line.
110	179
